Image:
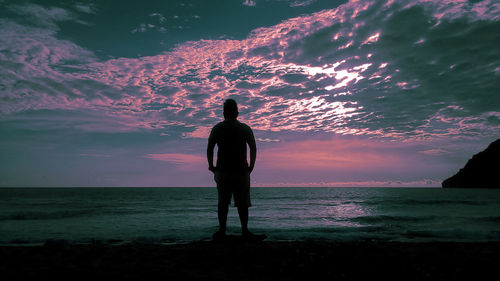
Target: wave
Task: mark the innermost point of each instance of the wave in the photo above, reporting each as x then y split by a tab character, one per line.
385	218
489	219
415	202
38	215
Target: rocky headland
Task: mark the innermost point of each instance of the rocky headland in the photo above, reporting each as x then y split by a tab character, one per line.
481	171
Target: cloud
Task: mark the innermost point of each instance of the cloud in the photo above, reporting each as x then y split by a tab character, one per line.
302	3
143	27
159	16
36	70
86	8
435	152
375	68
158	24
267	140
387	183
177	158
46	16
249	3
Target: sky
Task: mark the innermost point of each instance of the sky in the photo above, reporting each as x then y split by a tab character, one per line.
338	93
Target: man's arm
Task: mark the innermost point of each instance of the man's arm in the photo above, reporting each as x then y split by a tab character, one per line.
210	152
253	150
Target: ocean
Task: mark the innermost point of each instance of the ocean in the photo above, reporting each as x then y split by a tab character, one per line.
179	215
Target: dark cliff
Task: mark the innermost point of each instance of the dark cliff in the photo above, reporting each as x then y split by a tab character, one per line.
481	171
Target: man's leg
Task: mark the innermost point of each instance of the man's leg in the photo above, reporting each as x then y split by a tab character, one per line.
243	213
222	211
224	198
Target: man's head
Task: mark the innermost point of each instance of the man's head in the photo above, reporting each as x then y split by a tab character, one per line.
230	109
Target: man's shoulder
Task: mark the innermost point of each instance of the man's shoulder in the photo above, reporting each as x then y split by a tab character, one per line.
247	127
219	124
243	125
215	130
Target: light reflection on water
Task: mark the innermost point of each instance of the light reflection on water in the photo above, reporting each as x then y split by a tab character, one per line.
315	212
340	214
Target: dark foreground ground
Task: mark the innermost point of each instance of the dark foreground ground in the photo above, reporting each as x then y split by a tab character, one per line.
302	260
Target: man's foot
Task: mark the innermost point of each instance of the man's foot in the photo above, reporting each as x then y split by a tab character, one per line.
219	235
249	236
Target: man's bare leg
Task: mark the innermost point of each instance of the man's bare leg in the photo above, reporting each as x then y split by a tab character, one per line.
243	213
222	211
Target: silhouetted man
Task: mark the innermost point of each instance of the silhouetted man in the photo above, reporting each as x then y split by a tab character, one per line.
232	172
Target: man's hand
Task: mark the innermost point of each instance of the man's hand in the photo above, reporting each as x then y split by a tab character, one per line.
211	168
250	169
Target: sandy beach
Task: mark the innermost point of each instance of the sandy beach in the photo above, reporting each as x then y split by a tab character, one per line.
274	260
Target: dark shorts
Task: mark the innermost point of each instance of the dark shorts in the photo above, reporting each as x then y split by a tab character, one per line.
233	184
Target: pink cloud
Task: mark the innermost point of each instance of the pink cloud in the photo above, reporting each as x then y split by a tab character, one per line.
199	132
249	3
149	74
435	151
177	158
268	53
186	86
451	9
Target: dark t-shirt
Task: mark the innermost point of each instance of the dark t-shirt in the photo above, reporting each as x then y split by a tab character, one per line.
231	137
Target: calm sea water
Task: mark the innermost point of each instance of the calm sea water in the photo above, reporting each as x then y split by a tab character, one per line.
34	215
